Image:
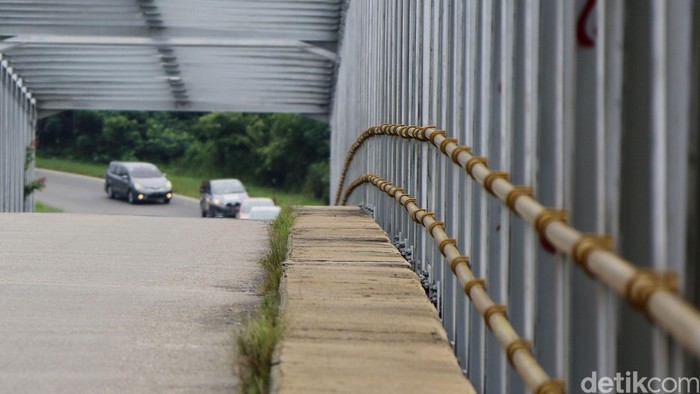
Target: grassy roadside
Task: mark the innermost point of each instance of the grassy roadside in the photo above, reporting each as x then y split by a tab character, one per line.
40	207
257	340
183	184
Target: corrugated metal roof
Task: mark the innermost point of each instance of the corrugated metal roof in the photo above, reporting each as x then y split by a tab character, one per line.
204	55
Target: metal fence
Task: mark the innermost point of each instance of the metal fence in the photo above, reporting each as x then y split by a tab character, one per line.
592	104
17	127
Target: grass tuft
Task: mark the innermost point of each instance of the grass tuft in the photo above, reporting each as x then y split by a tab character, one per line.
257	340
40	207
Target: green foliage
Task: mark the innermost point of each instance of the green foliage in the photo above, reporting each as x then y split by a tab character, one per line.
90	169
165	140
36	184
56	133
32	186
256	344
87	132
294	145
317	180
286	151
40	207
121	139
257	340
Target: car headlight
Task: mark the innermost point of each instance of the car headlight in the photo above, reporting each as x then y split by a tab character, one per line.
169	185
138	186
217	201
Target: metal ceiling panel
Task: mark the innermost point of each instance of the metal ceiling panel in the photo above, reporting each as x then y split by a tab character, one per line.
208	55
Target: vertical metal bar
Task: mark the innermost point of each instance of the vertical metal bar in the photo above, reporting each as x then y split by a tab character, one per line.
381	66
523	169
14	134
442	111
566	46
411	64
404	38
635	191
425	118
507	60
458	178
31	135
470	91
384	117
450	174
388	36
494	357
659	223
548	285
11	146
408	112
588	318
481	144
26	141
611	25
9	157
398	106
659	168
603	321
678	74
4	151
531	149
433	167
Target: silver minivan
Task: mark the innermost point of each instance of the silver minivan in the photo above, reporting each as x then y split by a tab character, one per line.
137	181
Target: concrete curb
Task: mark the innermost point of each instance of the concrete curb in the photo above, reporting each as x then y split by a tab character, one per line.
357	317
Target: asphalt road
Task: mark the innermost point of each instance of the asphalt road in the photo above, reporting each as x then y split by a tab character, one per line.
122	304
82	194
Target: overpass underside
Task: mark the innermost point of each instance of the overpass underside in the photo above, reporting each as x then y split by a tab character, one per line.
586	107
158	55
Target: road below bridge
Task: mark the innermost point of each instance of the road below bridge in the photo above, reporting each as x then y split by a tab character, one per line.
112	304
83	194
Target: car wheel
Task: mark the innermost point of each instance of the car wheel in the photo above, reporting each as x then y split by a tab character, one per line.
110	192
130	197
166	201
210	213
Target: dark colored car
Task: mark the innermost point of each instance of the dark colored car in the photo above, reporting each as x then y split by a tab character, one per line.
137	181
221	197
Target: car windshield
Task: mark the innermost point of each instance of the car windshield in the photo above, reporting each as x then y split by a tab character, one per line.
145	172
227	186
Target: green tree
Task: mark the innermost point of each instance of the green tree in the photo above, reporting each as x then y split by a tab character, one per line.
295	143
121	138
224	146
164	141
282	150
55	134
88	136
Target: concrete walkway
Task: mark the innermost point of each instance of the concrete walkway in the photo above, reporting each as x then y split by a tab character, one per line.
123	304
358	319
